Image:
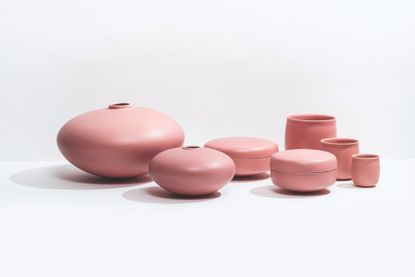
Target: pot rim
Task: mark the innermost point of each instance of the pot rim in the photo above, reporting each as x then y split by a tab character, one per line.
119	105
365	156
311	118
339	141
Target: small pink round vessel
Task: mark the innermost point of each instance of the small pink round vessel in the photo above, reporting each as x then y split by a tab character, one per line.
304	131
343	149
365	170
192	170
251	155
303	170
118	141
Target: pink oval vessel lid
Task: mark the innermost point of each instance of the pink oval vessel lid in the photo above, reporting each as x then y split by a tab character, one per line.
303	160
244	147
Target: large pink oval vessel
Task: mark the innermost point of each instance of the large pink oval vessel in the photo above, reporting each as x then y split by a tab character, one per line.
118	141
304	131
192	171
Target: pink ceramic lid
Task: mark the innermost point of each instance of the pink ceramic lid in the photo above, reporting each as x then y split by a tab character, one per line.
303	160
244	147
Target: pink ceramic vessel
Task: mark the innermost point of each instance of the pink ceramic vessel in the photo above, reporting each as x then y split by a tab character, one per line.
118	141
304	131
365	170
192	170
343	149
251	155
303	170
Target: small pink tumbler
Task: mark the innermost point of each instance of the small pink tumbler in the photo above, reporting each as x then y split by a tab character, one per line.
365	170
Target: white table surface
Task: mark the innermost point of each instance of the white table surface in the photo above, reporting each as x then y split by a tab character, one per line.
58	221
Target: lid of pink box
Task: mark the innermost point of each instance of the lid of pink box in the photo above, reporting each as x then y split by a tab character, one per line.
244	147
303	160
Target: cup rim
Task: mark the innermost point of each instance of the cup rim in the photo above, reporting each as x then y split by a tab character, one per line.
365	156
311	118
339	141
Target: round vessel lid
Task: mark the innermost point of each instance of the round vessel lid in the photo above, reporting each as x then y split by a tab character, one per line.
244	147
303	160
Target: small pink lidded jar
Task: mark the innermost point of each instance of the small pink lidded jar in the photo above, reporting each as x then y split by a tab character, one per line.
251	155
192	170
303	170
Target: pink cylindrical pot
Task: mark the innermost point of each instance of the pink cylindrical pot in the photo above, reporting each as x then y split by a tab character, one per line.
303	170
192	170
343	149
118	141
304	131
251	155
365	170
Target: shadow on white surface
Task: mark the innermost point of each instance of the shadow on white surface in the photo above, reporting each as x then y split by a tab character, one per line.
160	196
275	192
347	185
253	178
71	178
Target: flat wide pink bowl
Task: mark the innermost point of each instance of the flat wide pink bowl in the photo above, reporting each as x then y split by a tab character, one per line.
192	171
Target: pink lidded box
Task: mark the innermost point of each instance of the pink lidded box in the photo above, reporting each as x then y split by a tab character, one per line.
303	170
251	155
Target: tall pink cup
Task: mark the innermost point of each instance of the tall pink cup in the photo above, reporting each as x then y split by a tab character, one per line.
343	149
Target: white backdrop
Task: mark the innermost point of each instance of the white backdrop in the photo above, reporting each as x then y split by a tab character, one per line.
219	68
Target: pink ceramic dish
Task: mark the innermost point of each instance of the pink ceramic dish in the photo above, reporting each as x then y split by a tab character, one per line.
303	170
365	170
343	149
251	155
118	141
304	131
192	171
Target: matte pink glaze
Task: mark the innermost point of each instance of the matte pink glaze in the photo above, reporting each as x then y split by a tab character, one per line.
343	149
251	155
192	170
303	182
304	131
365	170
118	141
303	170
